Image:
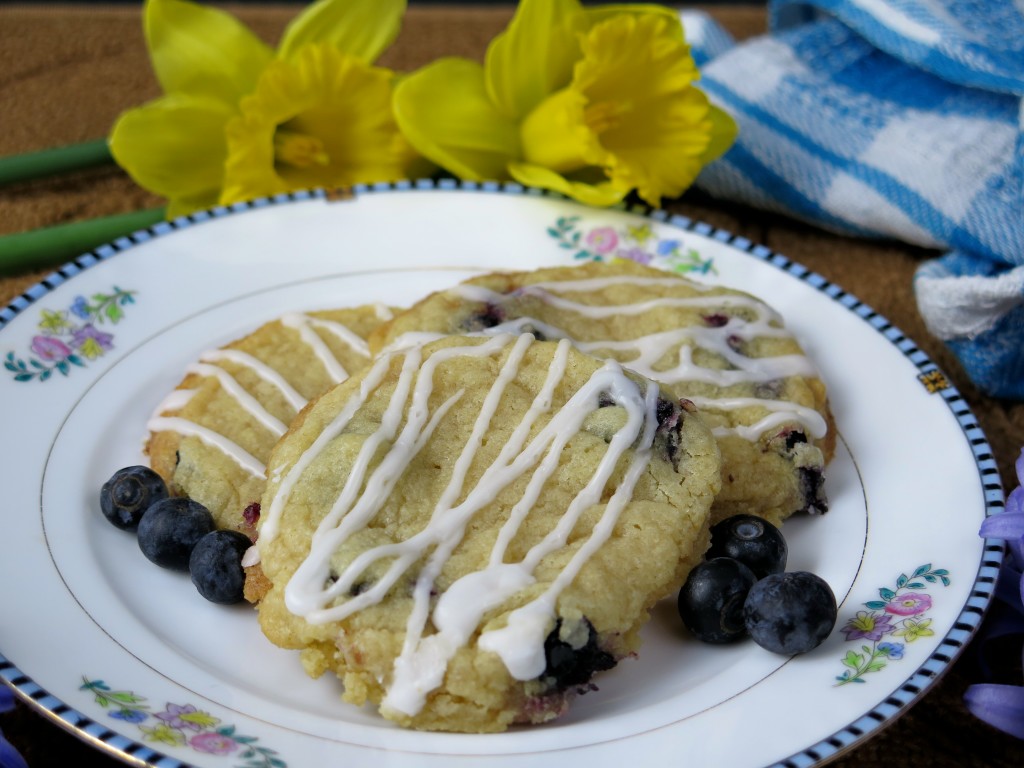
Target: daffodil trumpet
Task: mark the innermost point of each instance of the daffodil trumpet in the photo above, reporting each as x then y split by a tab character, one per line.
239	120
593	103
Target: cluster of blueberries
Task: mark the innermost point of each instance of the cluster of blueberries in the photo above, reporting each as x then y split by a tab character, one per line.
742	589
176	532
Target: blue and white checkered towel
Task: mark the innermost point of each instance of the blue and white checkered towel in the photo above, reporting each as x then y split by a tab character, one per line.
892	118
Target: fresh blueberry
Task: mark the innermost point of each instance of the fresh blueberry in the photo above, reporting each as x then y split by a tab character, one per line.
216	566
128	494
711	601
568	667
170	529
756	543
790	613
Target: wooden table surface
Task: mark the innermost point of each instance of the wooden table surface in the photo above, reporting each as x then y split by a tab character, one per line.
67	71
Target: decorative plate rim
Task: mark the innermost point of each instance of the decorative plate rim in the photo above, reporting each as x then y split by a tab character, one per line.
924	677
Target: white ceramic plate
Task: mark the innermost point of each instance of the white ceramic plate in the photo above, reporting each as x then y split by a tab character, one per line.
131	657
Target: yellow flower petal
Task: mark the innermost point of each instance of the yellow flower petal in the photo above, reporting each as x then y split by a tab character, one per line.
202	51
328	114
636	73
444	111
723	133
664	157
533	57
183	206
596	15
361	28
556	135
173	146
600	193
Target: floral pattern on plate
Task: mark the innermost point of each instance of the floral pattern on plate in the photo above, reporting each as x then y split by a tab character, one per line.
182	725
900	616
633	243
71	337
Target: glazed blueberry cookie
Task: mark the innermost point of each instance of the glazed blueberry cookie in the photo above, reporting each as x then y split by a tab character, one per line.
210	438
467	531
726	351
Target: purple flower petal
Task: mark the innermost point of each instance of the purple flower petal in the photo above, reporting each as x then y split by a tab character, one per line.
81	335
1006	525
1009	586
1001	706
9	757
1015	502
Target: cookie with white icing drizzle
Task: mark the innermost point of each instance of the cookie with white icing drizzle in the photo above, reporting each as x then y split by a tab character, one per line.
725	350
211	436
467	531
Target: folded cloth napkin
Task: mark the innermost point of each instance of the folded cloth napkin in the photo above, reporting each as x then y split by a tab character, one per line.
895	119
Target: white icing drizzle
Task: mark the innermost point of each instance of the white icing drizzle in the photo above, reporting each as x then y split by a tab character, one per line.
176	400
305	324
243	398
590	284
261	369
239	455
650	349
520	644
540	290
270	518
251	557
644	353
206	367
782	412
420	668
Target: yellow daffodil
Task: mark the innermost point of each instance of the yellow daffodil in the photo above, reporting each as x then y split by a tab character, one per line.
238	120
592	103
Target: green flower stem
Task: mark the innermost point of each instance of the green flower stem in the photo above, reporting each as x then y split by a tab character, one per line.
48	162
52	246
872	661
